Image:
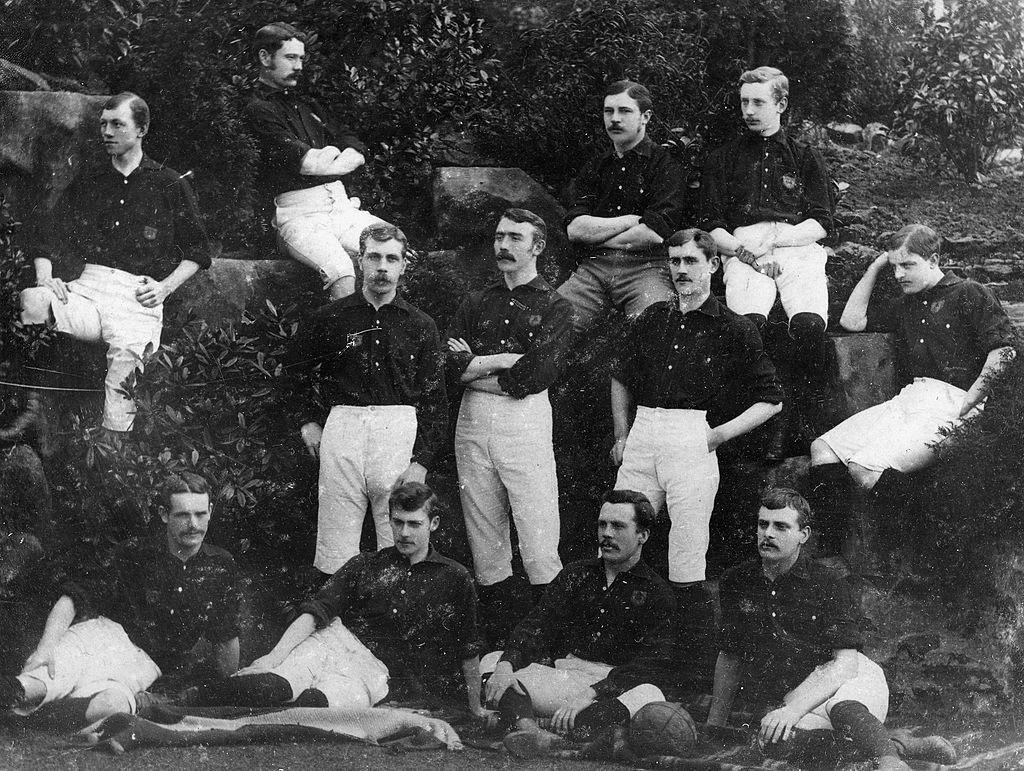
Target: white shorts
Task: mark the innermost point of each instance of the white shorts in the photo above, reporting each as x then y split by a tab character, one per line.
868	687
335	662
552	687
801	285
320	226
900	433
94	656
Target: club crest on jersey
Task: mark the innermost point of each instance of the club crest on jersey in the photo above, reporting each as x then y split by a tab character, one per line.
788	181
355	340
937	306
534	320
639	598
747	606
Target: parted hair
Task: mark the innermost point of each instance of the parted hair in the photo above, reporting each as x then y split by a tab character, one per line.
413	496
772	76
540	228
643	512
775	498
636	91
700	237
272	36
919	239
382	231
182	482
138	106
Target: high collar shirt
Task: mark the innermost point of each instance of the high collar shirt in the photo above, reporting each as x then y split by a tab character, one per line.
350	353
627	625
765	179
944	332
646	181
677	360
288	125
165	605
144	223
782	629
419	619
531	319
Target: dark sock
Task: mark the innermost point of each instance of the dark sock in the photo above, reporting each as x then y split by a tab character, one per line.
537	592
759	320
11	692
597	717
515	706
806	748
695	622
852	719
891	486
264	689
311	697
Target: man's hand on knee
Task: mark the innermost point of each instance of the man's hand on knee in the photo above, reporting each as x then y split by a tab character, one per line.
57	286
41	657
500	681
312	434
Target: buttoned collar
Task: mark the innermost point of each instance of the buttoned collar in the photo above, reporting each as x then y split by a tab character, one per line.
537	283
710	307
433	555
146	164
356	300
779	137
644	147
269	92
801	569
640	570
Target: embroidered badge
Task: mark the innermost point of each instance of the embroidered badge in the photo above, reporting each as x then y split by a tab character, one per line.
747	606
788	181
150	233
534	320
937	306
639	598
355	340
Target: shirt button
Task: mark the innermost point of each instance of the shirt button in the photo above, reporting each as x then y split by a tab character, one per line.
921	340
402	592
947	326
395	610
172	611
773	614
670	366
675	347
506	321
179	588
602	610
117	222
773	592
618	208
620	187
122	201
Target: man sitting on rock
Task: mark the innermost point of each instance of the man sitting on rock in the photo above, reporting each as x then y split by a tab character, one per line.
103	644
606	623
765	199
626	202
790	639
131	221
305	152
400	621
952	337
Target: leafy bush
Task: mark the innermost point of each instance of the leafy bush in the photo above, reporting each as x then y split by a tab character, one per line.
962	88
881	32
546	117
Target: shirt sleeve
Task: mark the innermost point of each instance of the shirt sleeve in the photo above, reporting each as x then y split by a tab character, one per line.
664	211
883	314
225	620
337	594
654	662
457	362
279	147
190	237
731	633
300	362
988	319
626	365
54	235
817	204
755	369
341	135
432	407
534	635
582	193
540	366
712	194
470	642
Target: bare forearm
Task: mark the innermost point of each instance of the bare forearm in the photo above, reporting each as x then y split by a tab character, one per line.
855	314
182	273
485	366
225	657
622	403
748	420
727	682
587	229
636	239
995	362
43	268
727	242
471	676
488	385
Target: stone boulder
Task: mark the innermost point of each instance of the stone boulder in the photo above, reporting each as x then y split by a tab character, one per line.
865	372
845	133
46	137
467	202
219	295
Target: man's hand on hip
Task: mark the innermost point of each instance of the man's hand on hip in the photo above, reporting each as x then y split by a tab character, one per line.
150	292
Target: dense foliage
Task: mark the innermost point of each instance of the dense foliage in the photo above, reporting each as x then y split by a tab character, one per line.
961	92
882	30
